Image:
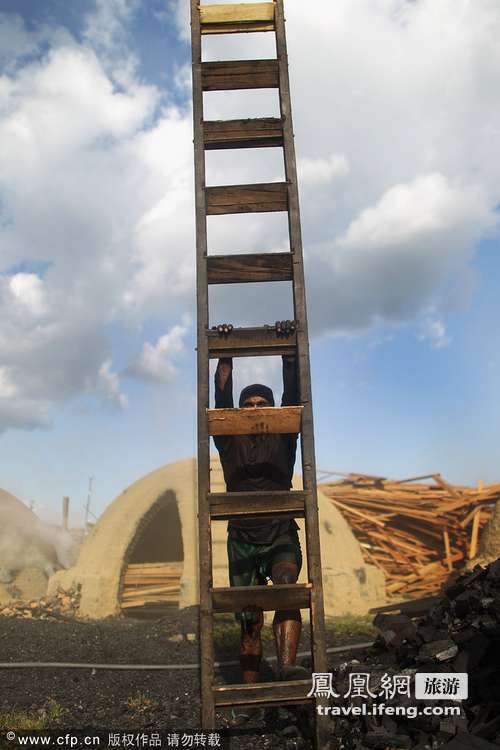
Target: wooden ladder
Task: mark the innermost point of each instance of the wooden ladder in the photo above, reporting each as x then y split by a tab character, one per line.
220	269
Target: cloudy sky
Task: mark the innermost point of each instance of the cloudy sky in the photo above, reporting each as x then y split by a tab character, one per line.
397	125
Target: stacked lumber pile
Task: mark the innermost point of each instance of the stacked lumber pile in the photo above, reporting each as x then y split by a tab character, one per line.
459	633
62	606
418	534
151	583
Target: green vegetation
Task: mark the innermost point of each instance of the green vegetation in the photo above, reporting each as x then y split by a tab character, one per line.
141	702
27	721
350	625
21	721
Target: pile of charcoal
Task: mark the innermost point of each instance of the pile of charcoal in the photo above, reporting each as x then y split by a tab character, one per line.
62	606
459	634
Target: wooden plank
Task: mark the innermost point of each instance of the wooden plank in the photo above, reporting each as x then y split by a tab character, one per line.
239	74
234	19
143	591
238	28
447	549
255	421
151	576
133	584
263	693
370	519
237	199
414	479
446	486
250	342
226	505
249	133
282	596
203	468
241	269
323	724
141	604
468	518
474	534
156	566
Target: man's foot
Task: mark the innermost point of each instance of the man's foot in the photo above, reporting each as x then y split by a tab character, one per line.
293	672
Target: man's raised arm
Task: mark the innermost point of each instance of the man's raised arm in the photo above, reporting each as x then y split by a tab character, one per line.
223	397
224	384
290	381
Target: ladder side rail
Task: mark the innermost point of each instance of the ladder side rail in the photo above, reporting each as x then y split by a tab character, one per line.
204	531
307	442
317	621
308	468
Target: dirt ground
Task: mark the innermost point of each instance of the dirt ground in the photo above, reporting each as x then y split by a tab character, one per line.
120	701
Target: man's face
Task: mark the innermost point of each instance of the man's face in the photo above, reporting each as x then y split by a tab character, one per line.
255	402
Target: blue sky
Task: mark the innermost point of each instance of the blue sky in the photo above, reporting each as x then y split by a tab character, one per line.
399	189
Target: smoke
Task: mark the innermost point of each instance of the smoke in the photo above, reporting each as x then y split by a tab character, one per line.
29	543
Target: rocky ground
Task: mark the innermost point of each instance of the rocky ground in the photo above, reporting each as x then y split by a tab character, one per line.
459	633
129	700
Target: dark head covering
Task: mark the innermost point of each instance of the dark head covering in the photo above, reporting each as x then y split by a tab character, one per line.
257	389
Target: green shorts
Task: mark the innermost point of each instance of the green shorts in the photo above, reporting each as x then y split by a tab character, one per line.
251	564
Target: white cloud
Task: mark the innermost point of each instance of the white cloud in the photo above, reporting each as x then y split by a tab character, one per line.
434	331
319	171
180	11
419	211
418	185
8	389
82	191
27	293
107	31
156	362
108	21
21	413
392	258
397	182
108	384
183	79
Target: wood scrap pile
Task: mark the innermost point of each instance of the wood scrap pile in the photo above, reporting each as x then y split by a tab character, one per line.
62	606
151	583
418	534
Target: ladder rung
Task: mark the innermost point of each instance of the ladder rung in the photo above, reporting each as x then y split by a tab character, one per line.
254	133
239	74
280	596
227	505
255	421
235	19
250	342
262	693
242	269
239	199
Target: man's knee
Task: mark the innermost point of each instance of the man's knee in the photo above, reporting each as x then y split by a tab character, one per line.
287	615
284	572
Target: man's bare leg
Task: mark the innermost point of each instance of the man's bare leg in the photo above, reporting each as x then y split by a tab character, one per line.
251	647
287	624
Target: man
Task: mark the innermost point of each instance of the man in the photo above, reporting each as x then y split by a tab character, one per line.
268	547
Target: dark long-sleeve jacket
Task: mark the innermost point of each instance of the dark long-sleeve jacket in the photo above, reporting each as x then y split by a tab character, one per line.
258	462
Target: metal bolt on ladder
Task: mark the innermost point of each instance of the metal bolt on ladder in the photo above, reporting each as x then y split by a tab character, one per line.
211	344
